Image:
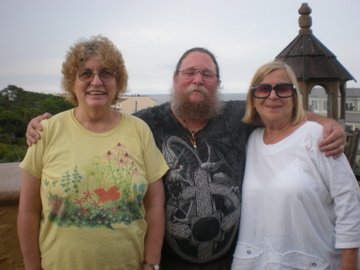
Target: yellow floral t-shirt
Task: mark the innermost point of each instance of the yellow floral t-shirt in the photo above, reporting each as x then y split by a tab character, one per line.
92	190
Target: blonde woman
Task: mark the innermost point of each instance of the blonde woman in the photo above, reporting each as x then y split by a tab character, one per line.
300	209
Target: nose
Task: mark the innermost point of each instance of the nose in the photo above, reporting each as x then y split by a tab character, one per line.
198	78
273	94
96	79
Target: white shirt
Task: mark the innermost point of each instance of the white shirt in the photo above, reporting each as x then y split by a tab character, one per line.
299	208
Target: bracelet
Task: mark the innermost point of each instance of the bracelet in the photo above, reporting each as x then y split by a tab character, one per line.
154	266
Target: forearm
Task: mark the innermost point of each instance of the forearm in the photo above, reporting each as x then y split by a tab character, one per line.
28	231
28	221
350	259
316	118
322	120
155	234
155	219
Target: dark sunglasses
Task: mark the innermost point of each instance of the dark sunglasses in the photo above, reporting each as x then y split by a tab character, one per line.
283	90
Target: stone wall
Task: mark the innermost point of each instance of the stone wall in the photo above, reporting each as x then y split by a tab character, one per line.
10	178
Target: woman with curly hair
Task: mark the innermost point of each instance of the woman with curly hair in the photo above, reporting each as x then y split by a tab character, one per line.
92	195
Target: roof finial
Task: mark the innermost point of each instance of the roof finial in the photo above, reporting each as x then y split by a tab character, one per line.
305	20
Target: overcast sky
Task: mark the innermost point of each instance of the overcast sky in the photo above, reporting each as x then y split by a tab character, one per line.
153	34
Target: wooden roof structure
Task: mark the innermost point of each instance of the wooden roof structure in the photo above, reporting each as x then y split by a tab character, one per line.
316	65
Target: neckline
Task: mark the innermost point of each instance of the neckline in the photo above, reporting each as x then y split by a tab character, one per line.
192	138
282	135
98	134
285	141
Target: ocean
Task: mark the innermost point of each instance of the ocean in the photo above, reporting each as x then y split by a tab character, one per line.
161	98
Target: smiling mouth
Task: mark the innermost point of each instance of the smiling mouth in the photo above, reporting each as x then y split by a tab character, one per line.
95	93
273	107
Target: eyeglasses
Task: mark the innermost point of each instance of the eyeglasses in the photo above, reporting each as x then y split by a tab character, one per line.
190	73
283	90
88	75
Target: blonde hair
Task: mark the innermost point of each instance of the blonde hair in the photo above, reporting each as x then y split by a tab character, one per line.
251	115
108	55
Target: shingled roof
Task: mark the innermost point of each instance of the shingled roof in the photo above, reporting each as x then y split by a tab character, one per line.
309	57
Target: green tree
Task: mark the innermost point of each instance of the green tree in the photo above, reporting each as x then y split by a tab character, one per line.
12	124
17	108
54	105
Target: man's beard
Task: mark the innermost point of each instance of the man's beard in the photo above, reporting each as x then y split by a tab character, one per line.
210	107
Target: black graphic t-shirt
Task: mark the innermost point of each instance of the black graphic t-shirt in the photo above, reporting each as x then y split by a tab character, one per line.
203	185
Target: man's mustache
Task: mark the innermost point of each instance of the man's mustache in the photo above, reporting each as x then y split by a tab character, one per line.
193	88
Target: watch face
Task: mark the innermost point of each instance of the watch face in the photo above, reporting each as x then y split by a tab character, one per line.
156	267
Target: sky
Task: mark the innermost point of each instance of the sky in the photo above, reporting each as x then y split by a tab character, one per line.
153	34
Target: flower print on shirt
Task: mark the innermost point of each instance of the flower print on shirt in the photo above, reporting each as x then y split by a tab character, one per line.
99	195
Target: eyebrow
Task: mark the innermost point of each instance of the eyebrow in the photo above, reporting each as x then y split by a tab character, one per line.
192	67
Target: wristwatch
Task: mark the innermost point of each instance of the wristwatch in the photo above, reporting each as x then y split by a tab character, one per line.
154	266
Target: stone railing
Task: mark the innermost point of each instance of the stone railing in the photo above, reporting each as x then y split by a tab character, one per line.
10	178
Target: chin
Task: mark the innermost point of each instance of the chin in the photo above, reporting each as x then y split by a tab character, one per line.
99	103
196	98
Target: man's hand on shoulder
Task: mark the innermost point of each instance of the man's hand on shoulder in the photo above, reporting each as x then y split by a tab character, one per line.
334	140
32	135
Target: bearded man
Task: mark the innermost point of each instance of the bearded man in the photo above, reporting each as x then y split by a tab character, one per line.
203	141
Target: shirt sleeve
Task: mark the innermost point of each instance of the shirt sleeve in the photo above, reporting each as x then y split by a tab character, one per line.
155	164
33	160
341	183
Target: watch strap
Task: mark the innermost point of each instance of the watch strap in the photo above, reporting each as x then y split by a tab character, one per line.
153	265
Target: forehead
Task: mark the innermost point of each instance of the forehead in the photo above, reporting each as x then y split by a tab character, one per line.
198	60
92	60
276	76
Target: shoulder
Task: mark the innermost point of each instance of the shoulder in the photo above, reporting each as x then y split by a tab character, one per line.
238	105
135	125
308	135
134	120
233	113
153	111
234	109
61	118
312	129
256	134
155	116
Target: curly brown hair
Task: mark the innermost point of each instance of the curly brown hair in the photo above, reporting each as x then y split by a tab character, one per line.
108	55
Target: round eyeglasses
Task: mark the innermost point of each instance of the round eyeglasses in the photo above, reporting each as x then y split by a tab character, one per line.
282	90
88	75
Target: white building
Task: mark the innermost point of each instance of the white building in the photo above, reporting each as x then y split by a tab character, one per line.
132	104
318	103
